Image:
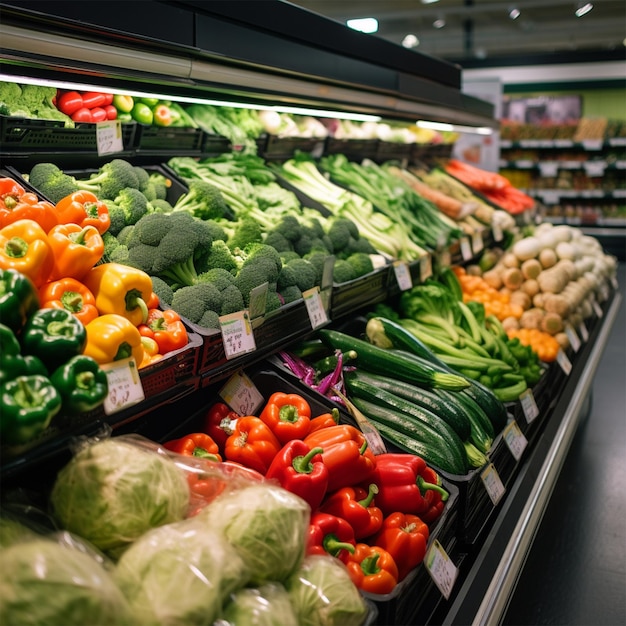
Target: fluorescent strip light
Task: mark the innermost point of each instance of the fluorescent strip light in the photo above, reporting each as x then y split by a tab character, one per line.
583	9
364	24
356	117
477	130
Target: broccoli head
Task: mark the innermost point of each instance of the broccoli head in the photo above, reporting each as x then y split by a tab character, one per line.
291	294
220	256
362	244
255	252
274	301
305	273
210	320
117	217
52	182
278	241
112	178
232	300
193	300
343	271
126	234
133	203
110	243
220	277
120	254
246	231
160	184
143	177
203	200
286	256
289	227
160	206
318	260
340	231
286	278
254	275
361	263
162	290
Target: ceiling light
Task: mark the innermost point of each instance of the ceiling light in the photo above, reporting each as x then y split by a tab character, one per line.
429	1
410	41
583	8
442	126
514	13
364	24
440	22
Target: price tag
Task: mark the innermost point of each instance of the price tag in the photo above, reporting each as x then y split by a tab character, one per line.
592	144
466	248
109	137
327	273
443	258
403	275
563	360
620	165
574	341
125	387
315	307
549	169
515	440
258	301
493	484
597	309
524	164
426	267
619	193
594	168
529	406
584	333
550	197
241	395
237	334
441	569
477	242
496	230
563	143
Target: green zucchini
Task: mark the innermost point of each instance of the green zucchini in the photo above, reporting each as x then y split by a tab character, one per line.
418	415
411	436
492	406
441	405
482	432
382	361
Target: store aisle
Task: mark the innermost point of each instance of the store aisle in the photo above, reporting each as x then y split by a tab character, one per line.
576	571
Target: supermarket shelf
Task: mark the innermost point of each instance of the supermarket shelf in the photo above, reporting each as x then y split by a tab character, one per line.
484	592
590	145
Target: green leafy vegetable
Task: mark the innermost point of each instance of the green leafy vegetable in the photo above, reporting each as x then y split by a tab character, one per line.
268	605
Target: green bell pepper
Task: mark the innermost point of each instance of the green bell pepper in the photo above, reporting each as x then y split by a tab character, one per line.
27	405
82	384
18	299
12	363
55	336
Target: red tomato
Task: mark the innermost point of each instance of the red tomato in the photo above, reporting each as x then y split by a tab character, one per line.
108	99
111	112
82	115
93	99
69	102
98	114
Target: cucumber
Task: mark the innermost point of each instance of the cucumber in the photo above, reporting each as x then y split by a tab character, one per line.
441	404
482	432
412	436
382	361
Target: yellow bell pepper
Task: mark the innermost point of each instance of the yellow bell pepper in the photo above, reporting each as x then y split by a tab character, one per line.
111	338
121	290
24	247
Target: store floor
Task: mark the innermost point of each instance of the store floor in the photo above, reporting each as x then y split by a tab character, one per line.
575	573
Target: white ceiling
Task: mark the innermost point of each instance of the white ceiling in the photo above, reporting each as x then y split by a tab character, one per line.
482	28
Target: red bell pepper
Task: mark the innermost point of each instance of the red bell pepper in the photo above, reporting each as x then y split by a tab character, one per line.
166	328
195	444
346	455
437	502
372	569
252	444
83	208
324	420
330	535
219	423
402	485
357	507
300	469
288	416
405	537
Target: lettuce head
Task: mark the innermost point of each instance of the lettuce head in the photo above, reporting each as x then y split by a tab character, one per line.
267	605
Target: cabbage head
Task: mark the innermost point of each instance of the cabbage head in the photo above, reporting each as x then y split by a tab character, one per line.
177	574
323	594
113	491
48	583
266	524
267	605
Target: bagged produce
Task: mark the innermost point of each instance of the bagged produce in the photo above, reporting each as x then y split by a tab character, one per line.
267	605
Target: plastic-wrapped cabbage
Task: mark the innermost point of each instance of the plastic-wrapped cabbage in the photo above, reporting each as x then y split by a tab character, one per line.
12	531
46	582
179	573
267	605
266	524
114	490
323	594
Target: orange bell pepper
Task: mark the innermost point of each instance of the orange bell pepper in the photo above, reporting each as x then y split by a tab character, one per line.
166	328
113	338
252	444
288	416
83	208
10	192
195	444
29	207
372	569
324	420
151	352
76	250
24	247
70	294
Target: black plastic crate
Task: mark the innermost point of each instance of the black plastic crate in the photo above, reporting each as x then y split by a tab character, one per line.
214	145
352	148
174	140
392	151
23	135
354	294
283	148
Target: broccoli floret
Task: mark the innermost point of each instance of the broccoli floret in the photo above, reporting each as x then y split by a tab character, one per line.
289	227
117	217
255	252
232	300
142	256
110	243
143	177
203	200
52	182
209	320
291	293
216	230
113	177
253	275
247	231
209	295
162	289
153	228
278	241
37	98
343	271
318	260
161	184
360	245
288	255
304	245
220	256
186	303
160	206
126	234
220	277
305	273
274	301
10	94
150	192
361	263
286	278
120	255
340	231
133	203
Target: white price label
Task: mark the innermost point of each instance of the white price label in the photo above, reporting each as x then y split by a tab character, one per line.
403	275
444	258
125	387
574	340
477	242
597	309
466	248
109	137
584	333
529	406
550	197
563	360
426	267
241	395
515	440
237	334
327	273
592	144
594	169
441	568
493	483
549	169
315	307
524	164
258	301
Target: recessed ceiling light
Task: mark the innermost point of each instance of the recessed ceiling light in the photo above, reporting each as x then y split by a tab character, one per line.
439	22
410	41
429	1
583	8
514	13
364	24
